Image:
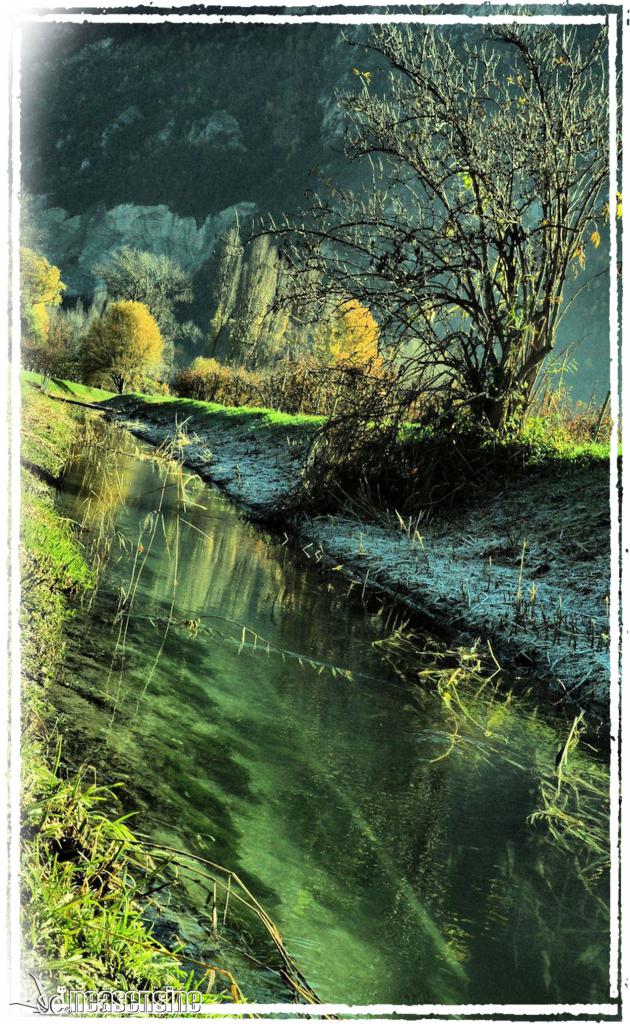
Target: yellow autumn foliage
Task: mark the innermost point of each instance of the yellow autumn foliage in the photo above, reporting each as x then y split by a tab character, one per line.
38	320
40	287
353	336
124	344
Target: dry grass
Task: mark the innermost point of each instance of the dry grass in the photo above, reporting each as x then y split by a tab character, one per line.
478	706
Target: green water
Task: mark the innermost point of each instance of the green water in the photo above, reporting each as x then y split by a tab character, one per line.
393	877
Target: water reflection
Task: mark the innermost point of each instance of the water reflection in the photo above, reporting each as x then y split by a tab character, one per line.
395	877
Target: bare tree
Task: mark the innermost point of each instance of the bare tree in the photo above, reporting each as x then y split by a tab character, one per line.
488	163
153	279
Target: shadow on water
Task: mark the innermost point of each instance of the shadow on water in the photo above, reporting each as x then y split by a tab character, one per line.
237	695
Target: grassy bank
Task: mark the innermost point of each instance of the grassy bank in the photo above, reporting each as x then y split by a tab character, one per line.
200	414
543	441
427	471
83	875
68	389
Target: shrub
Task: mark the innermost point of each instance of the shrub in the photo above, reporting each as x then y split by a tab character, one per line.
294	387
152	386
207	380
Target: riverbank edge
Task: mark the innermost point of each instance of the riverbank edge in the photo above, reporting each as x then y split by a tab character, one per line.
555	629
62	816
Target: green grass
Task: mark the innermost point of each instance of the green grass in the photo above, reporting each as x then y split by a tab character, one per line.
50	543
82	922
68	389
51	561
236	415
48	430
555	442
81	872
538	442
156	407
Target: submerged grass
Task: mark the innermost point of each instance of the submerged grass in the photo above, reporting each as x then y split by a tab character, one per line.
88	883
574	804
483	715
83	879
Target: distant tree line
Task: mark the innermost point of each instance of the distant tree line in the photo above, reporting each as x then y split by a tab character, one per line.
133	334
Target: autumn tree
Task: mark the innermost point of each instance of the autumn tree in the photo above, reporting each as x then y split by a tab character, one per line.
41	289
488	162
123	345
348	336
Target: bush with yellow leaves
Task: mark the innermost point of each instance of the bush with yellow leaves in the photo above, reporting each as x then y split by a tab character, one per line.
350	338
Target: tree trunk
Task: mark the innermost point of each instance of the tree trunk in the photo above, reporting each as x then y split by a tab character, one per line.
501	411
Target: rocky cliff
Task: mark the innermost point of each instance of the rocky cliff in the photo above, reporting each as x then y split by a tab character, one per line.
155	135
78	242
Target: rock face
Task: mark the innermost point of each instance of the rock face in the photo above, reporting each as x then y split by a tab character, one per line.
77	243
220	129
196	117
156	136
